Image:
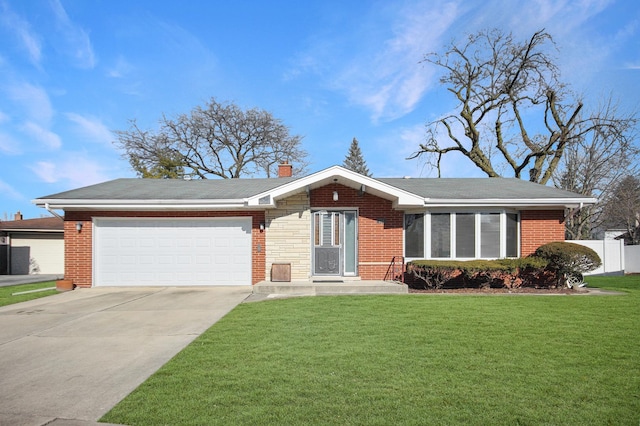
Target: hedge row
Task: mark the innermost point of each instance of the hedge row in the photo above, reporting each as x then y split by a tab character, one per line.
548	267
501	273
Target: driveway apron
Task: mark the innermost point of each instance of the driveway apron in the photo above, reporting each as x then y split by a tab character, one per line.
75	355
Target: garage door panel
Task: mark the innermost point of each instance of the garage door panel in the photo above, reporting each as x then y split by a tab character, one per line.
172	252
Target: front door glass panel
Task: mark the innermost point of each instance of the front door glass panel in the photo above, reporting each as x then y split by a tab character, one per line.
334	243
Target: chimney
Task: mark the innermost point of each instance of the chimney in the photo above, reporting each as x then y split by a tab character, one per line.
285	169
18	216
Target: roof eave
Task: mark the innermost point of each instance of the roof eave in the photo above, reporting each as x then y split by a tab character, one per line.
75	204
524	202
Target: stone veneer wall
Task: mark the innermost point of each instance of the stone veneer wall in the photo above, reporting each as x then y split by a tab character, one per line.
289	236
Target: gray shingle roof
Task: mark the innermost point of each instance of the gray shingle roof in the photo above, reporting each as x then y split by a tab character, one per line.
477	188
238	189
171	189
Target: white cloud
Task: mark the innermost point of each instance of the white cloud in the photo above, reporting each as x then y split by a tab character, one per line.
28	40
390	81
8	144
46	136
558	17
34	100
91	128
120	69
9	191
76	41
74	170
46	171
381	70
405	141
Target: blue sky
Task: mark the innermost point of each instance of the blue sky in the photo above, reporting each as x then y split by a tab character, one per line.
71	71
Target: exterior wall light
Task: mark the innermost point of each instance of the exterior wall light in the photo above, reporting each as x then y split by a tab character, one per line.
78	226
261	226
335	195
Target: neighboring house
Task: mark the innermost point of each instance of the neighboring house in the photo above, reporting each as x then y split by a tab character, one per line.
330	224
614	234
32	246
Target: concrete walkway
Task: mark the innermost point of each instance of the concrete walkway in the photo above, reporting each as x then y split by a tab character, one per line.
317	288
69	358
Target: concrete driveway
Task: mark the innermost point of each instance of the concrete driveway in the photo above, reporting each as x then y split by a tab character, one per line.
69	358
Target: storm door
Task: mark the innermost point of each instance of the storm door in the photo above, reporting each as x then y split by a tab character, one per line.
335	243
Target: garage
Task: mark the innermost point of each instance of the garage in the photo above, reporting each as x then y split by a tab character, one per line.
172	252
37	254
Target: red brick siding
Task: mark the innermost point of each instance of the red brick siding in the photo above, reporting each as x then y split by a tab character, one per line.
78	251
380	235
538	227
78	245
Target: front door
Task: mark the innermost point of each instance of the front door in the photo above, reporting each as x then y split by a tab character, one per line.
335	243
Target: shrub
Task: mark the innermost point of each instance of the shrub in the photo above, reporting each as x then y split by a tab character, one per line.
502	273
568	258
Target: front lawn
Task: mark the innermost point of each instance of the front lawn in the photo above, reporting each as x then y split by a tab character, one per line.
409	359
7	297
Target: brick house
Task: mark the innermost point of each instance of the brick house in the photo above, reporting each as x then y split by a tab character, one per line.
333	223
31	246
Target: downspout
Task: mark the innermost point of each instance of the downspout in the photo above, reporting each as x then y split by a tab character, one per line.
46	206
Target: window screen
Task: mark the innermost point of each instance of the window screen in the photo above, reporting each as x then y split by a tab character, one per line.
414	235
512	235
465	235
490	235
441	235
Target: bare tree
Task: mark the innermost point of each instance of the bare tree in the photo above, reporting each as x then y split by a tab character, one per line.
217	140
513	112
595	166
622	208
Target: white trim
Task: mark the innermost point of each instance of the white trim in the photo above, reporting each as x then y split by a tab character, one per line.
340	175
501	202
141	204
477	215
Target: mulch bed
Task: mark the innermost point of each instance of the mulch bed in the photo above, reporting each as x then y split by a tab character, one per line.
522	290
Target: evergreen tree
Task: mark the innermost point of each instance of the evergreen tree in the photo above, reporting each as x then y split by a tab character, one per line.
354	160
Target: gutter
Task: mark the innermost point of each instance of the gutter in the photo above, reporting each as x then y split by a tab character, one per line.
46	206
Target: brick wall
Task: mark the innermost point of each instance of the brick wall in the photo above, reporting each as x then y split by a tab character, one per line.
538	227
78	250
78	245
380	235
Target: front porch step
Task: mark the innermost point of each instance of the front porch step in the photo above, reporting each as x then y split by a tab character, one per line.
330	288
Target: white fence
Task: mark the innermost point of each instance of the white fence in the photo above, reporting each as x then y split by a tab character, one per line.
632	259
617	259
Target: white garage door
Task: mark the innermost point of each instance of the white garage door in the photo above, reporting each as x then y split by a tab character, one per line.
37	254
172	252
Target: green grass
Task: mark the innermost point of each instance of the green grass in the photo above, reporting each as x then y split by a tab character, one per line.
411	360
7	298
